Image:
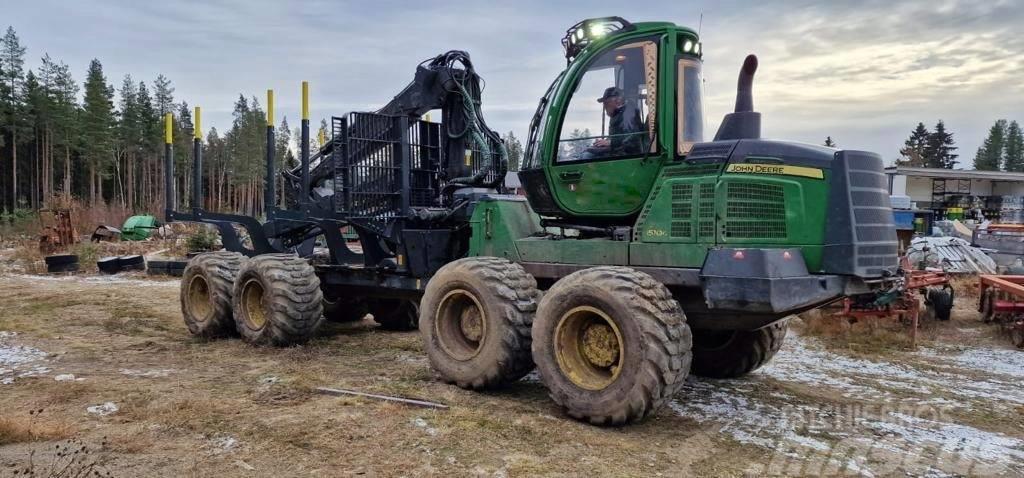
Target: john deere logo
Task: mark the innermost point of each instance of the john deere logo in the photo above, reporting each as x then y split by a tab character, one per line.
747	168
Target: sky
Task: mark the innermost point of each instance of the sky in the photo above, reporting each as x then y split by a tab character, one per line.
863	72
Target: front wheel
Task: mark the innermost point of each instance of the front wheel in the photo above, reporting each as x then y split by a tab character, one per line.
734	353
475	319
611	345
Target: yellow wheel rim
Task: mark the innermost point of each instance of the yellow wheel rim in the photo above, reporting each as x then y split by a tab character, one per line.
253	312
198	294
460	325
589	348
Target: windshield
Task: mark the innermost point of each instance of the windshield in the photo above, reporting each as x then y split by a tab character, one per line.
531	159
690	105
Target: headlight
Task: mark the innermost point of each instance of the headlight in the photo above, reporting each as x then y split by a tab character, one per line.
688	46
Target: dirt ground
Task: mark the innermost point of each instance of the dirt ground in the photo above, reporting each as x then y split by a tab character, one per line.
101	372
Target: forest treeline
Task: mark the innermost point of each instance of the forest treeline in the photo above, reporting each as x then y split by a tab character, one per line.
98	144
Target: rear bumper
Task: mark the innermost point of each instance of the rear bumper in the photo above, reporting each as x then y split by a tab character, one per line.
765	281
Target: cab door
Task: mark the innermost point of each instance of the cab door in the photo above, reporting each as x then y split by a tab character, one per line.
607	157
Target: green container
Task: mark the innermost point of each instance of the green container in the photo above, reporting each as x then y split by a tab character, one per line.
138	228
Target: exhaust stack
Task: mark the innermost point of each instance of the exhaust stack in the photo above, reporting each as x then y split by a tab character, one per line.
744	123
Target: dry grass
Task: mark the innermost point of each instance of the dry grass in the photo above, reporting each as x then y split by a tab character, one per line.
32	427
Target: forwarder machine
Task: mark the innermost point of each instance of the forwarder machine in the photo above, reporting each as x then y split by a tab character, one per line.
640	251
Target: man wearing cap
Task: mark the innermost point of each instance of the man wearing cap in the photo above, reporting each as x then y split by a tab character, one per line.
624	124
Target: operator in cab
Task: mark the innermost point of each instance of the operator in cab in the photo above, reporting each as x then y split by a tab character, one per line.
625	128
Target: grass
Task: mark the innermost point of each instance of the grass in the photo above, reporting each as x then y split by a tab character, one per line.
32	427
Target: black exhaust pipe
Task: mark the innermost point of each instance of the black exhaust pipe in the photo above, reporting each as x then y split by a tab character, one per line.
744	123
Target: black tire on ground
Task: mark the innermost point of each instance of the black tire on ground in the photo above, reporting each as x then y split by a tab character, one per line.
344	309
166	264
132	263
277	300
109	265
206	287
611	345
475	319
60	259
400	315
940	299
61	268
734	353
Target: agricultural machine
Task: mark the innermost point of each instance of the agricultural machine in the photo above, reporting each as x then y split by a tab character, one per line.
640	251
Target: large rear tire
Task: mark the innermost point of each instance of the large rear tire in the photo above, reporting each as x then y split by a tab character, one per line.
206	288
734	353
611	345
475	318
277	300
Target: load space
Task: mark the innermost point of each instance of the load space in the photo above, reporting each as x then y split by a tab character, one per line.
640	253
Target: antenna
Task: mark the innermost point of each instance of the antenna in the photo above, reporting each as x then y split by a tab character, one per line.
700	24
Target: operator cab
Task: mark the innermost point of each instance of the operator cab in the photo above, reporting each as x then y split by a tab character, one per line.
629	100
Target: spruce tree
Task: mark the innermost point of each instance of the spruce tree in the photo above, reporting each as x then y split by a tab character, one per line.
515	151
12	61
940	150
990	154
1013	157
913	152
97	126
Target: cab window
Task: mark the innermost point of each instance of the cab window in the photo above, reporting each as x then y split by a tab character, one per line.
612	110
689	105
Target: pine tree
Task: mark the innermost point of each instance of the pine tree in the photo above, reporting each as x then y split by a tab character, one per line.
515	151
64	97
12	61
97	127
832	144
163	96
990	154
940	148
1013	157
913	152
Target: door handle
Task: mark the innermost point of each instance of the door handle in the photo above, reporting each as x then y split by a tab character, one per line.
570	176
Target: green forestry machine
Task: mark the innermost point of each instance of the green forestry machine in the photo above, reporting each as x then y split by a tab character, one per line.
640	252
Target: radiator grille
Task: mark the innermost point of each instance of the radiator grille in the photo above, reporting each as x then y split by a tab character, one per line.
755	211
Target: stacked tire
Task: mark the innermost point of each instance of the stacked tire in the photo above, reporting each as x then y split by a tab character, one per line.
166	267
61	263
116	264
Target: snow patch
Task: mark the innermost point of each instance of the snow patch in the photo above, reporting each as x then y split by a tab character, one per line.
18	361
103	410
147	373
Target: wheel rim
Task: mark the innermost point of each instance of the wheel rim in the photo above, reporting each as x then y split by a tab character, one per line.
460	325
253	313
199	298
589	348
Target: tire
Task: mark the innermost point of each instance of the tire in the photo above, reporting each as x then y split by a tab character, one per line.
132	263
344	309
400	315
166	264
109	265
206	288
734	353
941	301
475	319
611	345
60	260
277	300
62	268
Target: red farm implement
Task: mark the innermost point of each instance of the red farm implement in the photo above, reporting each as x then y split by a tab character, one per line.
1001	300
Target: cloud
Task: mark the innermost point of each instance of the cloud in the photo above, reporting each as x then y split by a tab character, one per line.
863	72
